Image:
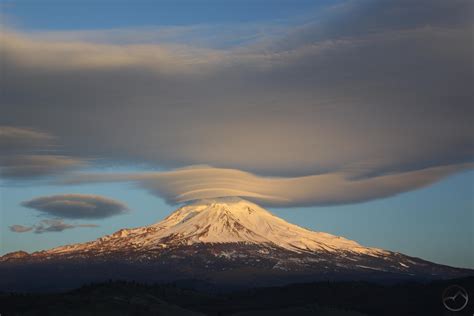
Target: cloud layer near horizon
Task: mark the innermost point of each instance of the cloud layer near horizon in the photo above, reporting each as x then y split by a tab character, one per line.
377	95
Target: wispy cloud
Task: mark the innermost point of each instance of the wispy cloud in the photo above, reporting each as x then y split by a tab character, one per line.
56	225
20	228
18	138
29	153
28	166
48	225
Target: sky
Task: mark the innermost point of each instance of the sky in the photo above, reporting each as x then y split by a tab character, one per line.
350	117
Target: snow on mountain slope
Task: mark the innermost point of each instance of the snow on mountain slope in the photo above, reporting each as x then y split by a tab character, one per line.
224	220
227	241
237	220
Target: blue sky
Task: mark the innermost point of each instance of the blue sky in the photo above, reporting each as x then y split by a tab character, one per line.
288	89
93	14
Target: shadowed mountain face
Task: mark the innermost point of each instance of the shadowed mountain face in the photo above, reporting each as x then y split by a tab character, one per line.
224	242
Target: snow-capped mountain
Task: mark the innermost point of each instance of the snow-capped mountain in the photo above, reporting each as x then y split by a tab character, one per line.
223	240
226	220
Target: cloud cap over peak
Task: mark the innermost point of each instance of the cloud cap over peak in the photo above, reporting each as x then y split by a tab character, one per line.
77	206
188	184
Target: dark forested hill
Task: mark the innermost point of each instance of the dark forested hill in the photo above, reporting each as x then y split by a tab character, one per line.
321	298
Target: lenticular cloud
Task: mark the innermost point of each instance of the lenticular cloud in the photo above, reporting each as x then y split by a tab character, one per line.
77	206
189	184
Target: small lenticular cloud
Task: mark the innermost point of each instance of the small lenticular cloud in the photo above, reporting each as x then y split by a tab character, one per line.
77	206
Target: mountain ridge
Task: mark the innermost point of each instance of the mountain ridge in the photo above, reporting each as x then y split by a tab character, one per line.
226	241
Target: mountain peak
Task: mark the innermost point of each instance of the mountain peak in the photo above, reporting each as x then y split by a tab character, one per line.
231	205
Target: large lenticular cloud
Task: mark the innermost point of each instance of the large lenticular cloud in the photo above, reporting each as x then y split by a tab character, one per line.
325	189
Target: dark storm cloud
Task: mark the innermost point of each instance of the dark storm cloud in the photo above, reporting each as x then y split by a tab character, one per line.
77	206
376	88
48	225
